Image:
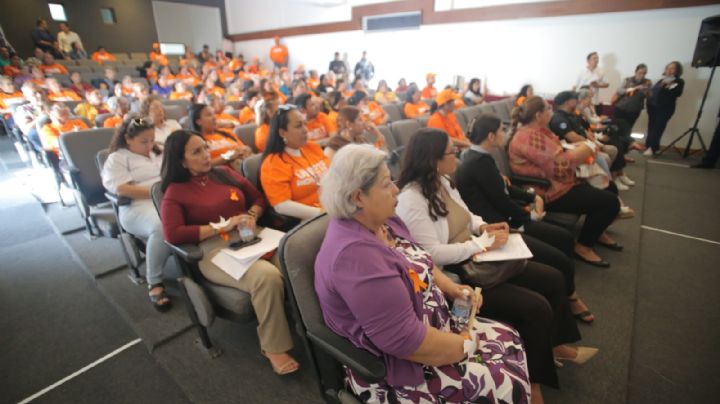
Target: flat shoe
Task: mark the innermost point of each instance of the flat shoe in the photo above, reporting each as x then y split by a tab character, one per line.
614	246
584	354
600	264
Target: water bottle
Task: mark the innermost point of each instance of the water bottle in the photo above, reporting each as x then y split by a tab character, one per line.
462	307
245	231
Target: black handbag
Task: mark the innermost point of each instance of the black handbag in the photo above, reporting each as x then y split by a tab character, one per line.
487	274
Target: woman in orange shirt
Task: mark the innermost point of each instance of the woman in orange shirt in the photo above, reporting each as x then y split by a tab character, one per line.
267	110
60	122
413	107
181	92
222	118
444	118
225	147
292	166
352	129
370	109
101	56
57	93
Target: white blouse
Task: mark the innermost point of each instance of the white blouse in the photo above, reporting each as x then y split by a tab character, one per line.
125	167
432	235
168	127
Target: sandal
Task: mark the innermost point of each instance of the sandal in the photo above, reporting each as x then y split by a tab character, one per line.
291	366
584	316
160	301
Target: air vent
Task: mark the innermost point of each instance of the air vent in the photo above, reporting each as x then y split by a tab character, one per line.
388	22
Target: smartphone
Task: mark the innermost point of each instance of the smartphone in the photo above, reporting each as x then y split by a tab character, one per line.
240	244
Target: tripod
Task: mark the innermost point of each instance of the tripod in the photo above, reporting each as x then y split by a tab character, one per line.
694	129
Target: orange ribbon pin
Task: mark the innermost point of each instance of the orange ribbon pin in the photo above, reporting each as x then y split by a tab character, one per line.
224	235
418	284
234	195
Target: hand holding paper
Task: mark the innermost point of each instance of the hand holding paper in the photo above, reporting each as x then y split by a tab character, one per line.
484	241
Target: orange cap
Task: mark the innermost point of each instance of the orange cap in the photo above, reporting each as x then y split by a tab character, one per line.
445	96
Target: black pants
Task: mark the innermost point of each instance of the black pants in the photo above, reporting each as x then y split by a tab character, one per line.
601	207
535	303
713	152
657	121
554	246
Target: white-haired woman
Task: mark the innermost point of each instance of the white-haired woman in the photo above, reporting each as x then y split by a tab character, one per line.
381	290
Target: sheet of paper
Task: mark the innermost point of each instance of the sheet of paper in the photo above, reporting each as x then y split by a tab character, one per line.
514	249
236	262
484	241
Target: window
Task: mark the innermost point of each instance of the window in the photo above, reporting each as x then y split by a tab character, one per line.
108	15
57	12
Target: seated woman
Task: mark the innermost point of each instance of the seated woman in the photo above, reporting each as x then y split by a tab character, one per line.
120	107
292	166
384	95
351	129
444	118
222	118
535	151
487	194
529	295
370	109
152	108
474	95
219	141
266	111
378	288
197	195
129	171
414	107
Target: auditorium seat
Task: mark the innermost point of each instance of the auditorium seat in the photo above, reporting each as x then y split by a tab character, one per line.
175	112
246	134
404	130
394	111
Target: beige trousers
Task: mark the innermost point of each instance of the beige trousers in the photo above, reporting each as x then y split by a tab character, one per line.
264	282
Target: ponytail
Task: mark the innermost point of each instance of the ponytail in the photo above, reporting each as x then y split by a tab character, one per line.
525	113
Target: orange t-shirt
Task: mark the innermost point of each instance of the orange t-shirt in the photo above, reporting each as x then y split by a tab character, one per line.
10	98
219	91
296	178
313	83
447	123
319	127
64	95
279	54
225	118
235	64
247	115
50	133
219	143
11	71
520	100
102	57
187	95
332	117
377	111
158	57
429	92
55	68
112	122
415	110
261	136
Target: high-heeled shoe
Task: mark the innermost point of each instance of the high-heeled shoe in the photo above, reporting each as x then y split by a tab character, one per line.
583	355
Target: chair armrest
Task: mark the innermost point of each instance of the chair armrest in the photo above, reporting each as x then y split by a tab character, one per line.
368	366
187	252
523	180
117	199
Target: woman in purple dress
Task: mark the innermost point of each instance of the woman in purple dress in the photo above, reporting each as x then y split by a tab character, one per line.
381	290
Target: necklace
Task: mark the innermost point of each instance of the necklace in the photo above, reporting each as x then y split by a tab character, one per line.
202	180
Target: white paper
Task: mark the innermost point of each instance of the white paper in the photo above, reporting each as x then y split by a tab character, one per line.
514	249
567	146
484	241
236	262
223	223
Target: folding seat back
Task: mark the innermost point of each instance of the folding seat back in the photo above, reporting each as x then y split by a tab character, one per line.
175	112
404	130
246	134
393	111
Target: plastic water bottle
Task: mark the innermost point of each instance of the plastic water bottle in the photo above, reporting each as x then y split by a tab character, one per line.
462	307
246	233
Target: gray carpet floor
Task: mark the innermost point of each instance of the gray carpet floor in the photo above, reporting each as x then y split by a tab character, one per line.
656	311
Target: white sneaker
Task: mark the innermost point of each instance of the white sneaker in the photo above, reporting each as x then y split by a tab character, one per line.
626	180
620	185
648	152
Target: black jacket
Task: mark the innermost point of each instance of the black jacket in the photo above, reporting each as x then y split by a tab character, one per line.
483	189
663	98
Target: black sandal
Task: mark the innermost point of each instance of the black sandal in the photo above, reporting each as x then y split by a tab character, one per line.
583	314
160	297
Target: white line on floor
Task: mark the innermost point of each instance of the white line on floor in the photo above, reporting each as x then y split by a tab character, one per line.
81	371
680	235
665	163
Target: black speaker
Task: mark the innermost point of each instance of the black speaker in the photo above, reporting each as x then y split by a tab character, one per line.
708	43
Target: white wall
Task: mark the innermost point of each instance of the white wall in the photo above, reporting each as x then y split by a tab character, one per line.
188	24
547	52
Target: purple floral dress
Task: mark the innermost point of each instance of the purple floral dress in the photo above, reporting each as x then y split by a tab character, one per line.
497	373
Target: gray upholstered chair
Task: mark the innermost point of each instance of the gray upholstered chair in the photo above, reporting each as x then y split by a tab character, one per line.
394	112
246	134
328	351
272	219
205	300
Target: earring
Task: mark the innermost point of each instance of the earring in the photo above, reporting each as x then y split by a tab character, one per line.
283	139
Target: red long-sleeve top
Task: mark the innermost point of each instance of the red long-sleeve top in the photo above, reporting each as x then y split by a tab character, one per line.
188	205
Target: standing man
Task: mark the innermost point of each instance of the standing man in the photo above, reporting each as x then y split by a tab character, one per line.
337	66
41	36
593	77
279	54
66	37
364	69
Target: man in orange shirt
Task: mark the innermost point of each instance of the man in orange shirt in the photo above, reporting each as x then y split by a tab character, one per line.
156	55
50	67
247	114
429	92
57	93
444	118
8	94
101	55
60	123
279	54
14	69
318	123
